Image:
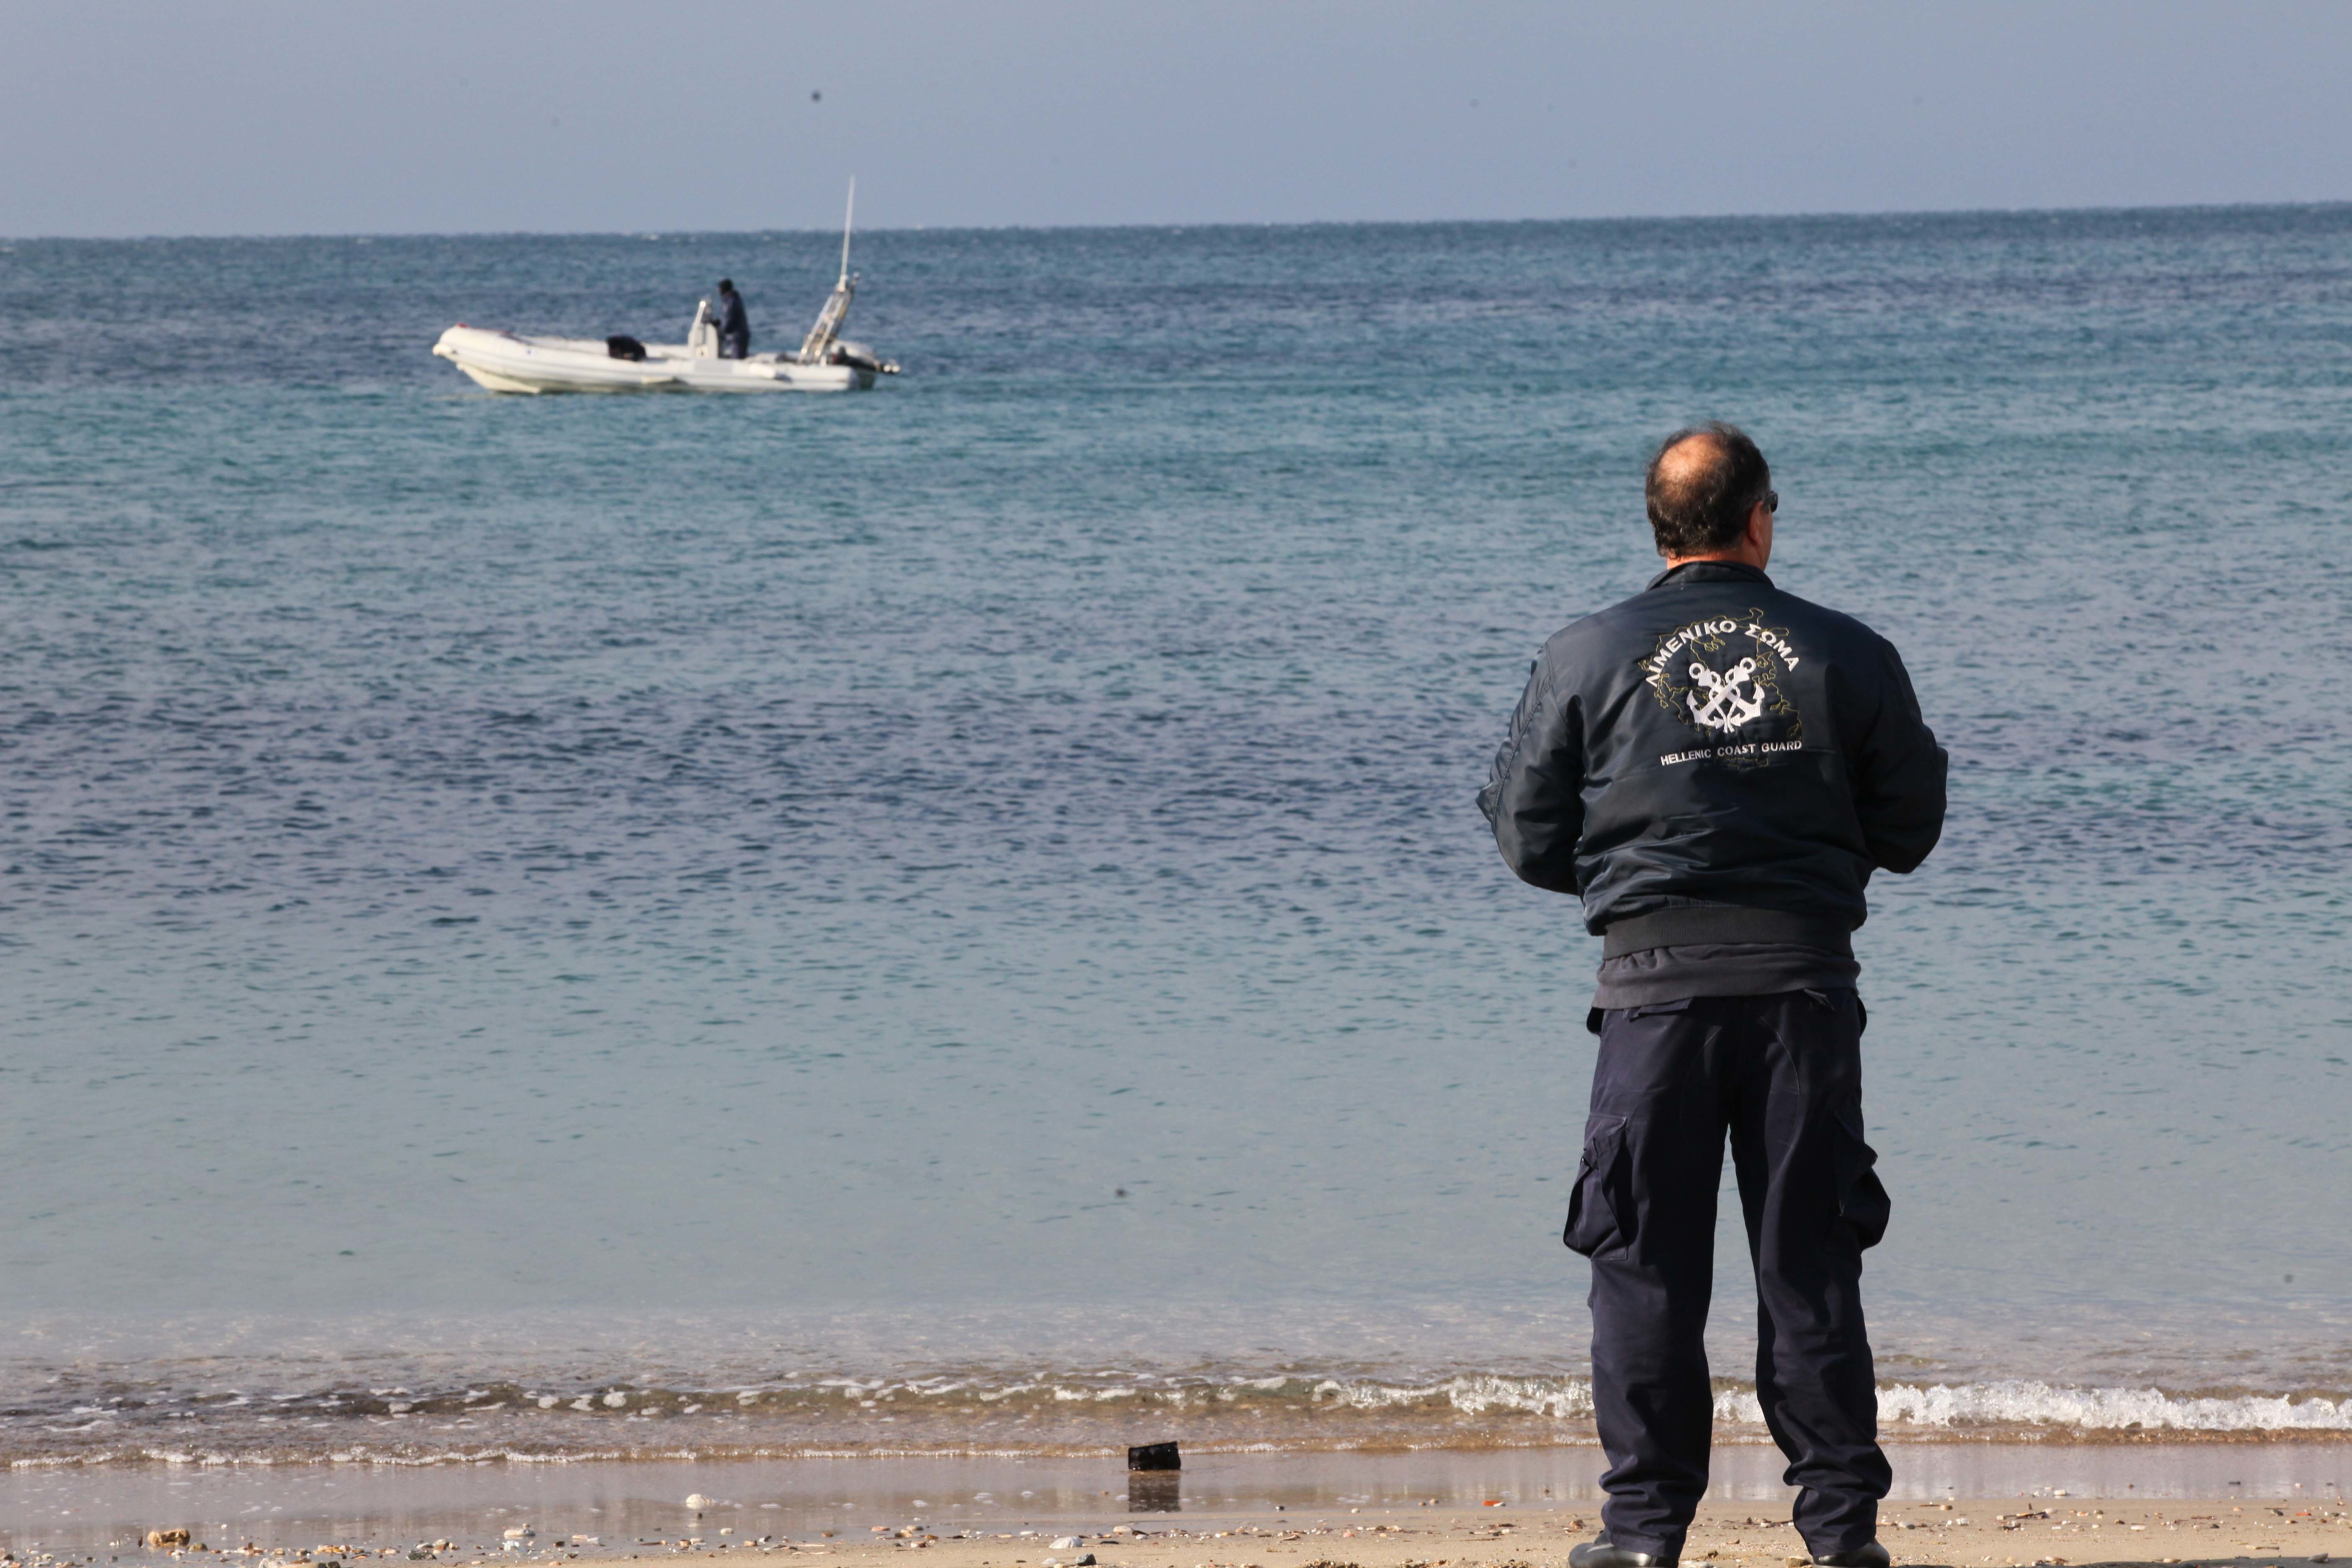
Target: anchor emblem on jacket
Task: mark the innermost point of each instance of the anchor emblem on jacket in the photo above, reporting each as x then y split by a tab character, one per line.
1725	708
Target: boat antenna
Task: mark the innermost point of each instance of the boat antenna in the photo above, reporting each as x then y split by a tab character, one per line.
821	337
847	215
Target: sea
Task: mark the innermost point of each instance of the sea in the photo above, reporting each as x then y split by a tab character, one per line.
951	920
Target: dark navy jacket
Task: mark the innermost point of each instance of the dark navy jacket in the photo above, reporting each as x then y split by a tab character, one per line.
733	321
1715	761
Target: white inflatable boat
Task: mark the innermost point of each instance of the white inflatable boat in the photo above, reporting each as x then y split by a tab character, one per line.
509	362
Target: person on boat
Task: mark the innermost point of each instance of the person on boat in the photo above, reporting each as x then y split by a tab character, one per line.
734	326
1715	767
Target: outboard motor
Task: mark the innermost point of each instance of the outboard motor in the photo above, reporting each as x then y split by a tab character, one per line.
858	356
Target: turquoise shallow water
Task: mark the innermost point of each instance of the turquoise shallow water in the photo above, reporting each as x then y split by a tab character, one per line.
983	874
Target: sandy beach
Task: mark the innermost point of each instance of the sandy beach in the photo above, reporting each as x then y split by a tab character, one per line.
1970	1506
1976	1531
2061	1530
2002	1533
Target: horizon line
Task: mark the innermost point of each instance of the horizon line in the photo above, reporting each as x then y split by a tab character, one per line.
1825	215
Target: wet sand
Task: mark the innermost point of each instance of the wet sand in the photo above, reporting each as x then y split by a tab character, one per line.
2250	1504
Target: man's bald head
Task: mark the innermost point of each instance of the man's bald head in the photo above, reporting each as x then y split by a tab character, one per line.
1703	483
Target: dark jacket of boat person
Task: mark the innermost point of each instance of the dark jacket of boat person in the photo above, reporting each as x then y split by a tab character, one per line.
734	325
1715	767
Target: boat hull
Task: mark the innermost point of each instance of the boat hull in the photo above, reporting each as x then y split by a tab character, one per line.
507	361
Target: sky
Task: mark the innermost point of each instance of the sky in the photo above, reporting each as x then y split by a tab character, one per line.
272	117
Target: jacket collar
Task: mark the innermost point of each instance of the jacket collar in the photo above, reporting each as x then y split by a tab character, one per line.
1709	572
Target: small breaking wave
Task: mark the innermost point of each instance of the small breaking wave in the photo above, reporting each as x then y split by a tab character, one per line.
1046	1414
2018	1403
1561	1398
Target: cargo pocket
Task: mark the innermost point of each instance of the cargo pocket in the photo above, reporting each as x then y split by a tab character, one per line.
1595	1222
1862	1203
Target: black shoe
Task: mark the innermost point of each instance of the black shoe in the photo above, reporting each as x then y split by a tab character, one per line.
1869	1555
1598	1552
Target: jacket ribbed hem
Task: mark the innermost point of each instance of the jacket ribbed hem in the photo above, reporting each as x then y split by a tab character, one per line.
1717	923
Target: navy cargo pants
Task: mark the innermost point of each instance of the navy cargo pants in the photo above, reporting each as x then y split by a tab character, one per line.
1784	1076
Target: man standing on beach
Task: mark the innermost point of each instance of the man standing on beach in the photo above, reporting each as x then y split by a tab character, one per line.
1715	767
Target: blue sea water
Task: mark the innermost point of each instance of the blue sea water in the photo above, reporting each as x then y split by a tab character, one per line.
975	886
